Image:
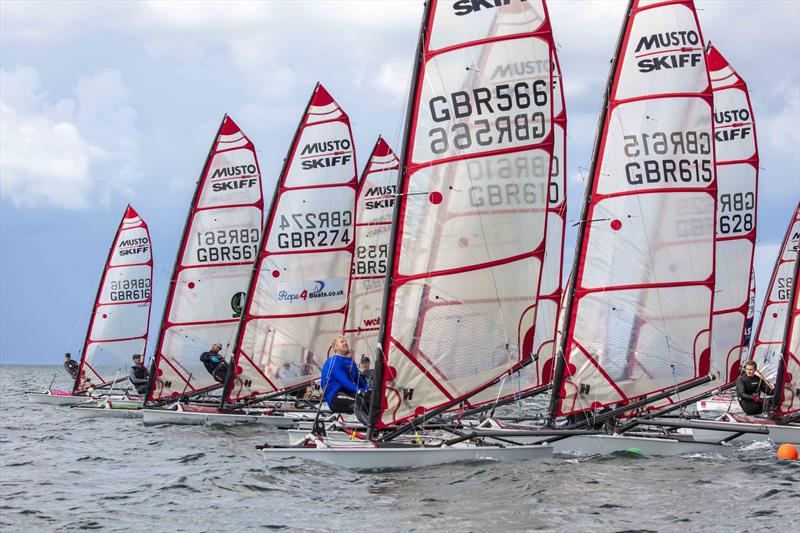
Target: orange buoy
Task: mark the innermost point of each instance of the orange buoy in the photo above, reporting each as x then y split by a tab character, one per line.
787	452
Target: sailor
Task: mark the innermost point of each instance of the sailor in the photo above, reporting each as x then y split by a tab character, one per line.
365	370
341	382
70	365
215	363
287	371
138	374
749	388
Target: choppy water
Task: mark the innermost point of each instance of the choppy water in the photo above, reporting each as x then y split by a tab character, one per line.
59	473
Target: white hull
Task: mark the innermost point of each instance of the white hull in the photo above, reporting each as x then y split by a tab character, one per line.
784	434
164	416
56	399
710	435
606	444
104	412
361	457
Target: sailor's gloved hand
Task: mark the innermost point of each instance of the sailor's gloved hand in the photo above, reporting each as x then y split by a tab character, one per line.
361	392
214	359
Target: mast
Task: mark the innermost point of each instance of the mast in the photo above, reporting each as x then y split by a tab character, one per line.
560	363
301	281
118	327
213	264
173	278
770	334
378	376
270	212
790	354
469	240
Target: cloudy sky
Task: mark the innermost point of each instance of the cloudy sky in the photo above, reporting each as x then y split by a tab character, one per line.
108	103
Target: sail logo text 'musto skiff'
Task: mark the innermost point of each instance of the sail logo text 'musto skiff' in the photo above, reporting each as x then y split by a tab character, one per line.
465	7
139	245
679	57
325	154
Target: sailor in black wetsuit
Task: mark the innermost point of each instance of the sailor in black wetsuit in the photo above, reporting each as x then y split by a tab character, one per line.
749	389
138	374
70	365
215	363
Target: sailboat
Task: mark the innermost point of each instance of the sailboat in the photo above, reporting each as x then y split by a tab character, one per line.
212	268
298	293
776	349
120	318
468	233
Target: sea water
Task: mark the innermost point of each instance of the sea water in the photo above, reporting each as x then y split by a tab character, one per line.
63	473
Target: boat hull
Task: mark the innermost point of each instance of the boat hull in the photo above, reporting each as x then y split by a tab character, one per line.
606	444
152	417
105	412
784	434
361	457
56	399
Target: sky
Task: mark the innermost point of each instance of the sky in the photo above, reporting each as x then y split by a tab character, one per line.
106	103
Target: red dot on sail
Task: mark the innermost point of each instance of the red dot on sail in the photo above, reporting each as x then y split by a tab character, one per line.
105	315
774	315
390	373
276	274
435	197
419	411
191	284
616	225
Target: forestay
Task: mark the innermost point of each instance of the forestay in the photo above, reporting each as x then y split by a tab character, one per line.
213	265
737	186
469	233
772	324
640	318
121	314
374	206
298	296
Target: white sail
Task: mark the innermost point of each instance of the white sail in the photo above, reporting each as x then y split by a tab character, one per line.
299	291
471	220
375	204
737	185
213	266
119	324
771	329
640	318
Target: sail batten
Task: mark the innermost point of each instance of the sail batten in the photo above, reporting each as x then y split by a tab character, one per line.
212	267
119	325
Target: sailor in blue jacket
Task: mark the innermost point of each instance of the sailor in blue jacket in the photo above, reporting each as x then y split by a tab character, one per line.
341	382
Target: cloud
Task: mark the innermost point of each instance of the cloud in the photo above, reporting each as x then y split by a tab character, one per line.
69	153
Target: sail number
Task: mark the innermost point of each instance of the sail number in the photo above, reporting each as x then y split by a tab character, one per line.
129	290
461	106
675	170
739	221
783	288
227	245
370	259
315	230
